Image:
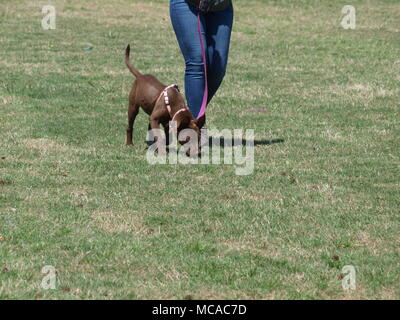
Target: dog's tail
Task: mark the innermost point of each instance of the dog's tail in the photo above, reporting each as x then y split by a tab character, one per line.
128	63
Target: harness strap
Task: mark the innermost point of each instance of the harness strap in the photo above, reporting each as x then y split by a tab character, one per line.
178	112
166	101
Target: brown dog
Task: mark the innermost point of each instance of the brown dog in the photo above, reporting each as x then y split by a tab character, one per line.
147	93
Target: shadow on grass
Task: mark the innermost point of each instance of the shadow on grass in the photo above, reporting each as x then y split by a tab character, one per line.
219	141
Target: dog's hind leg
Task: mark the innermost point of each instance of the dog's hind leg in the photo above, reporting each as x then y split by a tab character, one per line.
133	110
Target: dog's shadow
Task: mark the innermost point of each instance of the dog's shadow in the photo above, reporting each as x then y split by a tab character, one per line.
221	142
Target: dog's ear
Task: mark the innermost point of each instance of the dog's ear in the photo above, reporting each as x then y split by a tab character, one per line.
193	125
178	121
201	121
182	120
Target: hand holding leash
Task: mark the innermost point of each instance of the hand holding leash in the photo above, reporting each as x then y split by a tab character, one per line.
204	6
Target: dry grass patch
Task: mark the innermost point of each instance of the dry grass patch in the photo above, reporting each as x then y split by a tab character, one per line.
272	251
46	146
118	221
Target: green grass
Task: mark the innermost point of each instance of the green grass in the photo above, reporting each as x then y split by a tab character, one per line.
74	197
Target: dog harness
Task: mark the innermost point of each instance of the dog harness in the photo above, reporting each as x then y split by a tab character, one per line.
166	101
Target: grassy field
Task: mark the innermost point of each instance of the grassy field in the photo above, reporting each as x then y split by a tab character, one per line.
324	193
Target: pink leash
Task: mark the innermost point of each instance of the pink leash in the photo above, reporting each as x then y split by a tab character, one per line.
205	96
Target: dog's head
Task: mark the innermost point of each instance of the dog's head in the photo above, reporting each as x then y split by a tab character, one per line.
185	120
190	139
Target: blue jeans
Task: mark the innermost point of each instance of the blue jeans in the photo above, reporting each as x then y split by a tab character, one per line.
216	30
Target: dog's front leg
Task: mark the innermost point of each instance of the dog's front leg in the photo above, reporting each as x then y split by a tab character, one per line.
161	145
166	131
